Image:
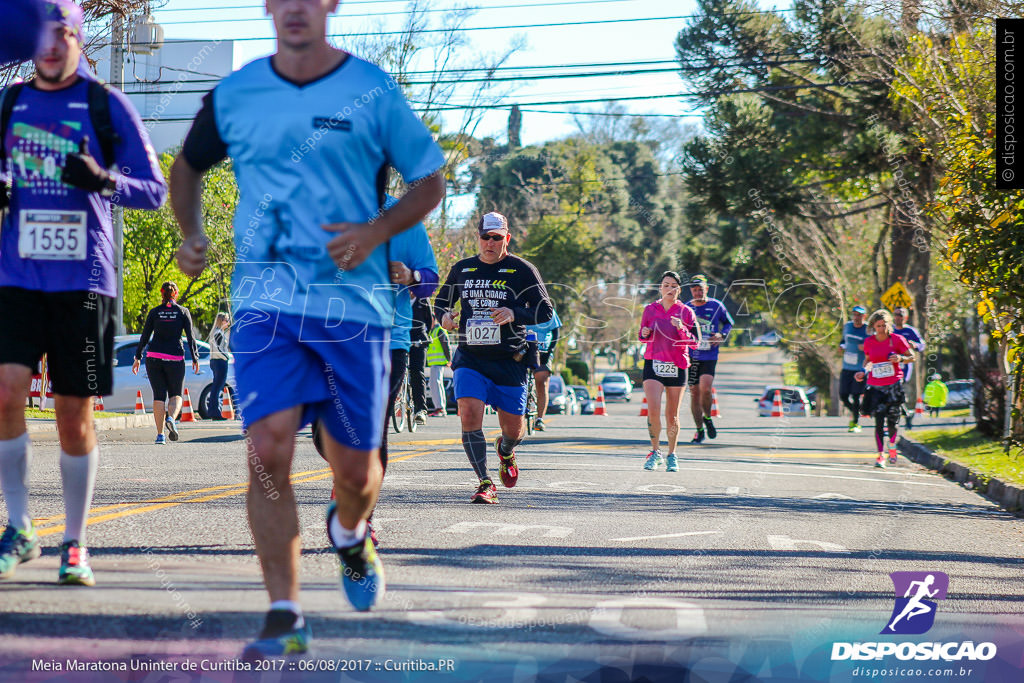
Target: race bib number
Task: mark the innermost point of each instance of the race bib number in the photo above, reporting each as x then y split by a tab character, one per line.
703	345
52	235
663	369
850	358
482	332
882	370
705	337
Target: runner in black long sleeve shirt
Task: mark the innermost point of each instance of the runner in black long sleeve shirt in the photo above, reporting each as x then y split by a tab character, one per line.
500	294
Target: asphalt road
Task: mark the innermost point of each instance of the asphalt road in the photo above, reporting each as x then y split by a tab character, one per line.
771	543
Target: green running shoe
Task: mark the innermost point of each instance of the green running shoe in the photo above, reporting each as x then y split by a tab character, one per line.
74	566
17	546
280	637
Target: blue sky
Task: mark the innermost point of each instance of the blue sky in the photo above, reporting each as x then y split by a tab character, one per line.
620	42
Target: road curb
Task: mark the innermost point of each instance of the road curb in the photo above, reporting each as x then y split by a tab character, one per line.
102	423
1010	497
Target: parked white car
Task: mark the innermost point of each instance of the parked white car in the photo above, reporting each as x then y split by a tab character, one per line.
126	385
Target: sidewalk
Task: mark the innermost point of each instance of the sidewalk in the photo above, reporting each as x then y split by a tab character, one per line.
39	425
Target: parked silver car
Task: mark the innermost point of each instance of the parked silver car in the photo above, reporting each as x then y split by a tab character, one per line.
126	385
617	385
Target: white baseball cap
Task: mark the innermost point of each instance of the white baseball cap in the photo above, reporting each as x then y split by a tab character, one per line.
493	222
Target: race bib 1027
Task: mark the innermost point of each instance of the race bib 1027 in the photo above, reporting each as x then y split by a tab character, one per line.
482	332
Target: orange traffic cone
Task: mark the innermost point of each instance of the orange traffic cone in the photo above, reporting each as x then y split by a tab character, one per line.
777	405
187	414
140	408
919	410
643	408
227	411
97	405
599	408
714	404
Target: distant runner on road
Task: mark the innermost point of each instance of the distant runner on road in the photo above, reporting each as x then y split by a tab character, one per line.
884	398
850	390
715	325
499	295
899	318
669	330
547	337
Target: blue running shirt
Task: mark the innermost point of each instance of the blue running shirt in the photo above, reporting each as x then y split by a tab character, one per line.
304	156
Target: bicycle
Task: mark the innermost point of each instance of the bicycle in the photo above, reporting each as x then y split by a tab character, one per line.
402	412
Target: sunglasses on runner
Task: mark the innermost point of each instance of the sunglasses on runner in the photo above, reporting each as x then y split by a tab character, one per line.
492	238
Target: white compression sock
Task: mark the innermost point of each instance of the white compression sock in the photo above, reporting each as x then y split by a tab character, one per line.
77	475
15	456
342	537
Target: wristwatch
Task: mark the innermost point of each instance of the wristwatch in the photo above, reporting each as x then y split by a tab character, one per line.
416	279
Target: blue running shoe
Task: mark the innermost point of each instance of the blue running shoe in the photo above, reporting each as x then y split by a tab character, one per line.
671	463
17	546
362	574
279	637
160	440
653	460
172	428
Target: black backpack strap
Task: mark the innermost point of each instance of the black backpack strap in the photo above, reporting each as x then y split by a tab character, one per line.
102	121
8	97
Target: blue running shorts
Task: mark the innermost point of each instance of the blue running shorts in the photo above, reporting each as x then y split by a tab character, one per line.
338	373
471	384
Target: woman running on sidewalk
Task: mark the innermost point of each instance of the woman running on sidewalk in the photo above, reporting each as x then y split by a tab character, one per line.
669	329
165	358
884	352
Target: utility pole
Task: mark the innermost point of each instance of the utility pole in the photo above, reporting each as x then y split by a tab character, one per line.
116	210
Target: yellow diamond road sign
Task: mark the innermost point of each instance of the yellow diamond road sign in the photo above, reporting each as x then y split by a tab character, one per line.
897	295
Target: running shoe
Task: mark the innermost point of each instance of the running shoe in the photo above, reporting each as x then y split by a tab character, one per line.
172	429
370	531
486	493
856	428
508	470
698	437
653	460
710	427
893	455
852	428
421	417
671	464
538	425
17	546
160	440
279	637
74	566
880	461
436	413
362	575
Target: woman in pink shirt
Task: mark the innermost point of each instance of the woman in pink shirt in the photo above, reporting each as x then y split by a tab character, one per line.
668	328
883	354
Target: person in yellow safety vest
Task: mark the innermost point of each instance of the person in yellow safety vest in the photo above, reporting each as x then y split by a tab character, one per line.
935	395
439	356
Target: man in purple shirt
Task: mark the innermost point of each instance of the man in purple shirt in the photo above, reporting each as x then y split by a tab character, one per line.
57	279
715	325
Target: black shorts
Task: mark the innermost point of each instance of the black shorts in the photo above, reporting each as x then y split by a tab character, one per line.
74	329
166	377
848	386
701	367
883	401
677	381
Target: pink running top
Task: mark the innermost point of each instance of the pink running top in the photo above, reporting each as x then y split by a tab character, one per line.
666	343
884	373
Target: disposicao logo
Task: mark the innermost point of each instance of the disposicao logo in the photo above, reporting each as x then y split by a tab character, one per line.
913	613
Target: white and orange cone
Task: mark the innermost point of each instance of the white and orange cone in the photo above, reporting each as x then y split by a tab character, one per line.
227	411
187	414
97	405
715	412
919	410
140	407
599	408
643	408
777	405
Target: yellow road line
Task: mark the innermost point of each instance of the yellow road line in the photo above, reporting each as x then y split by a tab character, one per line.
167	502
440	442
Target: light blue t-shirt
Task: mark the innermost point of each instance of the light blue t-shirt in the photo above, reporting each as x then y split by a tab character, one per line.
853	358
309	155
412	248
545	331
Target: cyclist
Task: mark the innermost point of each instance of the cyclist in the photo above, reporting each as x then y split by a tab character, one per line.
439	357
219	341
669	330
715	325
900	315
422	315
165	358
500	294
310	130
884	351
57	276
850	390
547	337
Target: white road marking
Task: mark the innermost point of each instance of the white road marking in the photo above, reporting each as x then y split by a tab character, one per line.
501	529
732	491
648	538
832	496
787	543
606	618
